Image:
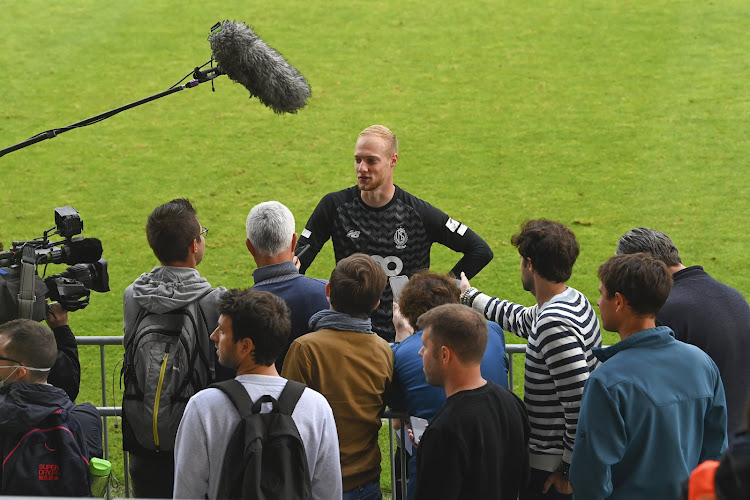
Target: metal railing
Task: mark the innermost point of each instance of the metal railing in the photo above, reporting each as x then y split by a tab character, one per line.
106	411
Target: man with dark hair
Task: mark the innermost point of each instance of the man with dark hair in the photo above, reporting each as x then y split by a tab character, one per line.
561	330
476	446
252	332
655	408
351	366
271	240
178	241
703	312
27	352
380	219
425	291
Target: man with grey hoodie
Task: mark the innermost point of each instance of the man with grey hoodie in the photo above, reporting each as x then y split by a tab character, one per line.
178	241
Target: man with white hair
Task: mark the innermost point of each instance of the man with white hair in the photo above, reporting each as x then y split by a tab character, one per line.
271	240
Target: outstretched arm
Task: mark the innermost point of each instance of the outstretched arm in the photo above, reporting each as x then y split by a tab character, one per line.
509	315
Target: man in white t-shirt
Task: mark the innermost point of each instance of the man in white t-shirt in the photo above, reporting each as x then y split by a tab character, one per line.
253	329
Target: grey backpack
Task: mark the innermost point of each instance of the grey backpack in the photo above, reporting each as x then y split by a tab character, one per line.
165	363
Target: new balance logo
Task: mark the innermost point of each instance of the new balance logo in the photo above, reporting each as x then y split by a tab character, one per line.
353	234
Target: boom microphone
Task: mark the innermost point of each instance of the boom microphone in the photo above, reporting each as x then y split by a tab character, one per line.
246	59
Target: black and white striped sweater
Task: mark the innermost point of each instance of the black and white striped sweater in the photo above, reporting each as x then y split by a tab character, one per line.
560	336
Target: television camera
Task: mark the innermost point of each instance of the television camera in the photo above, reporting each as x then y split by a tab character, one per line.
23	291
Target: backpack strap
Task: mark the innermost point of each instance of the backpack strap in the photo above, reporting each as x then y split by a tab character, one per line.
237	394
290	395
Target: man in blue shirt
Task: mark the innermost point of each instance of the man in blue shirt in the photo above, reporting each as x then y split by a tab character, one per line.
410	391
655	408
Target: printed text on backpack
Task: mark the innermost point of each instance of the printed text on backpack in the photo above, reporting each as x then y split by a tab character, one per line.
48	460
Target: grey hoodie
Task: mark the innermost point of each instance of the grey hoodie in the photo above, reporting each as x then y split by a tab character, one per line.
167	288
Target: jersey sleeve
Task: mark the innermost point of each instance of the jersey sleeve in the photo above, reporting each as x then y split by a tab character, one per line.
316	232
456	236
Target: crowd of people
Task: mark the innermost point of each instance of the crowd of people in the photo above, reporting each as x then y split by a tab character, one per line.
631	420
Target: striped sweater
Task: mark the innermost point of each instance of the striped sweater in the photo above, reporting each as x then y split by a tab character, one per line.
560	336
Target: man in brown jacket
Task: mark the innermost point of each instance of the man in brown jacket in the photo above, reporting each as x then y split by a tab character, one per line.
351	366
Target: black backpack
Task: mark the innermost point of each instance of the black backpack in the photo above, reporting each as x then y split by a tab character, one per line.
166	362
48	460
265	458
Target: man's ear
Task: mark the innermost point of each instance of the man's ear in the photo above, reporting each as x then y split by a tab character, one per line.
394	159
620	301
250	247
246	346
445	355
21	373
294	241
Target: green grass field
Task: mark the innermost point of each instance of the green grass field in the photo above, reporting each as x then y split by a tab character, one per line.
603	115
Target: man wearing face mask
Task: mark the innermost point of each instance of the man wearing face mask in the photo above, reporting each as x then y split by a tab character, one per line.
27	352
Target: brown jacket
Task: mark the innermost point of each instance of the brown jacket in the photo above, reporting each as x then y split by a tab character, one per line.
352	370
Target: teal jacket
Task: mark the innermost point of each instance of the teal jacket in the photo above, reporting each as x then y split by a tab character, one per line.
650	414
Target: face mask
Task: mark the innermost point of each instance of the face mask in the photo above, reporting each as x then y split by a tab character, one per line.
2	382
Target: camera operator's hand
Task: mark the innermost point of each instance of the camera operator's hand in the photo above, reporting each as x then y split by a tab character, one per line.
56	315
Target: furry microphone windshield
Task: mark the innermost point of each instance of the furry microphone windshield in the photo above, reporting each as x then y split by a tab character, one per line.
246	59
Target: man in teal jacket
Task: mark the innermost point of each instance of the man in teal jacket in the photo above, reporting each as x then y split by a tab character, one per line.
655	408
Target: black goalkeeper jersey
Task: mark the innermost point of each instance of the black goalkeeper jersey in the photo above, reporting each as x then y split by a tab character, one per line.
398	235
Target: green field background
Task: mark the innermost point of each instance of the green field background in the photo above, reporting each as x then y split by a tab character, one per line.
603	115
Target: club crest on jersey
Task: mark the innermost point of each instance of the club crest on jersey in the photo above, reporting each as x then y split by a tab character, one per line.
353	234
400	238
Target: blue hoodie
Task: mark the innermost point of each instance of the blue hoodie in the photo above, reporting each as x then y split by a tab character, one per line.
650	414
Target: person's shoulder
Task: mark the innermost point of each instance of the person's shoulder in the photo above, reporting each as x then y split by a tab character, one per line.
409	199
692	355
408	346
214	295
86	409
313	339
494	328
312	397
571	308
208	396
312	282
381	344
340	197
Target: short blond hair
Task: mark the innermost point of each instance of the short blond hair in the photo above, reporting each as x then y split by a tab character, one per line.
385	133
